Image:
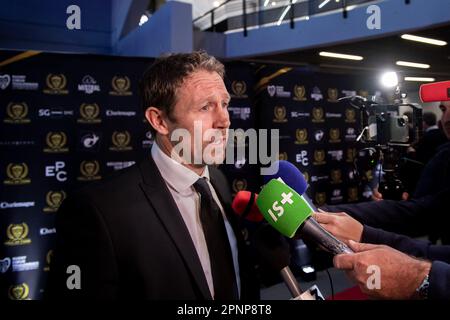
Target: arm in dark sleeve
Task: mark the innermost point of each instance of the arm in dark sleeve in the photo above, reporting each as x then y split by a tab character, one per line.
439	279
417	248
83	240
415	217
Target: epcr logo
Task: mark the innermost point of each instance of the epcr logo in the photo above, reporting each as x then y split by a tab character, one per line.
56	171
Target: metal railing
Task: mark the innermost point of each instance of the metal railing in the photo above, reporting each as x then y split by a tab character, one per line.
237	15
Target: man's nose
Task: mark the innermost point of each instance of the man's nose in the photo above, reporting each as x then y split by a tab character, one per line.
222	117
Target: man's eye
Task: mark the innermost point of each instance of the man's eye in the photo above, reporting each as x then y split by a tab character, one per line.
205	108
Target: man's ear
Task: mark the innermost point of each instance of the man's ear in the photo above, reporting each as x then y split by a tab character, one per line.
157	120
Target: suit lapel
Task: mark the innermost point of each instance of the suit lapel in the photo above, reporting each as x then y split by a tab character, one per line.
166	209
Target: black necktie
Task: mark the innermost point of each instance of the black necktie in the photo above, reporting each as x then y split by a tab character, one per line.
222	267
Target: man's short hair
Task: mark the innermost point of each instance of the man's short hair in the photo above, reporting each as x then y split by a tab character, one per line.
429	118
159	83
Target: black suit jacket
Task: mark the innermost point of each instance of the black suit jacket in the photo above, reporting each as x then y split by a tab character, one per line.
129	239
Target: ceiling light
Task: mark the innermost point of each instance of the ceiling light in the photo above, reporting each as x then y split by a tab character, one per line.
419	79
413	64
423	39
283	15
389	79
144	19
323	4
340	55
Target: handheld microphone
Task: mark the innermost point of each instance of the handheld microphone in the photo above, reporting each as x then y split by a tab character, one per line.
290	214
292	176
274	250
433	92
244	205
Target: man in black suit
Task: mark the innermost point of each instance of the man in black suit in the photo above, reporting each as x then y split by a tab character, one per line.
161	229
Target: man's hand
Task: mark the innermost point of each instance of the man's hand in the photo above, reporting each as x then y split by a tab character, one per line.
340	225
400	274
377	196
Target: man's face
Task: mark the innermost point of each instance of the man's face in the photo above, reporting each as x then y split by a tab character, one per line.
202	108
445	120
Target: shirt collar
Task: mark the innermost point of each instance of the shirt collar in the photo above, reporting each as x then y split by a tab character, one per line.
177	176
432	128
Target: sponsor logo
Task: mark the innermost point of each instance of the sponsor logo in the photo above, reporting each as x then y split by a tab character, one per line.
17	235
121	86
56	84
282	156
333	115
19	82
319	157
302	158
5	264
5	80
299	93
321	198
119	165
53	199
297	114
333	95
278	91
334	135
12	205
301	136
349	93
317	113
239	113
48	260
319	178
363	93
350	115
280	114
17	174
57	171
46	231
147	142
238	89
17	113
352	193
90	141
239	185
20	264
350	134
89	113
89	171
121	141
336	196
17	143
19	292
336	176
56	142
316	94
119	113
88	85
336	155
351	153
318	135
54	113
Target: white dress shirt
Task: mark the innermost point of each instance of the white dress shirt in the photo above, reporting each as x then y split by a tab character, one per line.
180	180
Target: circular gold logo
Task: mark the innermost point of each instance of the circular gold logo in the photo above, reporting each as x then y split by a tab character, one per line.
283	156
336	176
352	194
301	135
56	84
299	93
317	113
333	95
89	113
89	170
306	175
239	88
17	234
48	260
17	174
121	141
17	112
280	114
351	153
239	185
121	86
54	200
334	135
319	157
320	198
56	141
350	115
19	292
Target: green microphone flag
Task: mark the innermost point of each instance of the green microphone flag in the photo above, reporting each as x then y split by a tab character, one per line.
283	207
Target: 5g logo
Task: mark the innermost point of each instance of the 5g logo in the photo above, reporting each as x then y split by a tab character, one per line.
279	210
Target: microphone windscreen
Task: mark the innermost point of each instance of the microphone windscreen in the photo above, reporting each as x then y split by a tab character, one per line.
243	205
290	175
433	92
272	247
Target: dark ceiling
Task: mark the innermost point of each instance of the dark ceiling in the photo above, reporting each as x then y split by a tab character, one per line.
379	54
